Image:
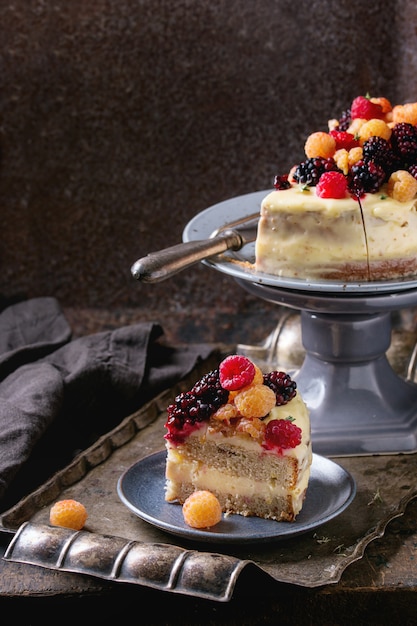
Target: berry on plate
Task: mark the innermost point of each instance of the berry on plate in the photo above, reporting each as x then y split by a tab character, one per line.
202	510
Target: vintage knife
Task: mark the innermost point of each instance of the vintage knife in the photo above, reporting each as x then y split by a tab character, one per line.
158	266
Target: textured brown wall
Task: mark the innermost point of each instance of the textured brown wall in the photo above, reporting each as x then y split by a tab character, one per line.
119	121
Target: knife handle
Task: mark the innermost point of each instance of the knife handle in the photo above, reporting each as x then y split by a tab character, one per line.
158	266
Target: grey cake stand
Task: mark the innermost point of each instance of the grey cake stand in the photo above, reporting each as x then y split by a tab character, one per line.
358	404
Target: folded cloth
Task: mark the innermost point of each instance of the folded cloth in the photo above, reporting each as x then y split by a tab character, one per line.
58	394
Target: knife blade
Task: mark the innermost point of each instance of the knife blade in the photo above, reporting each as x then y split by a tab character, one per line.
158	266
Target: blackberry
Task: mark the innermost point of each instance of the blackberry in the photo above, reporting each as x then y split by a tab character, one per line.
379	150
281	182
209	389
404	142
309	171
209	393
196	405
365	177
282	385
345	120
185	408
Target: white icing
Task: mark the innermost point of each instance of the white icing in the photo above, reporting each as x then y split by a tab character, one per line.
301	235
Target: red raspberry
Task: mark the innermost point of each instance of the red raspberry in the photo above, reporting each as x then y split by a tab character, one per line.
332	185
236	371
344	139
365	109
281	435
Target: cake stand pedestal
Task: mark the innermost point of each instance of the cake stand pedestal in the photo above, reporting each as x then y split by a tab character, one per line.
358	404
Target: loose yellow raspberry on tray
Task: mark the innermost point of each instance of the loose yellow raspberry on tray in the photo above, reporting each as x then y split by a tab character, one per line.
202	510
69	514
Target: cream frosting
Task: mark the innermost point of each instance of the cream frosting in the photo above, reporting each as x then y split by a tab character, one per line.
303	235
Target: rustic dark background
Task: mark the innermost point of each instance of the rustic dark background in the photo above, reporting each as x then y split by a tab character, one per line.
119	121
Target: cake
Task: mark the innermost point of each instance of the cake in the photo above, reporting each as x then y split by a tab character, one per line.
348	212
244	436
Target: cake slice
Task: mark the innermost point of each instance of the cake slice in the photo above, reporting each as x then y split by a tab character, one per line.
244	436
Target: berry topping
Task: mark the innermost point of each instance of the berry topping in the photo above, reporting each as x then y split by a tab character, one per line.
405	113
209	389
344	120
281	434
239	410
256	401
282	385
236	371
404	142
402	186
384	103
282	182
363	108
309	171
379	150
344	140
320	144
69	514
190	408
368	143
365	177
202	510
332	185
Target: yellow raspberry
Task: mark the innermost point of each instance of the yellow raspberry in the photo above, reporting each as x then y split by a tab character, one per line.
333	124
402	186
202	510
254	427
374	128
355	155
258	379
341	158
226	412
256	401
355	125
405	113
320	144
69	514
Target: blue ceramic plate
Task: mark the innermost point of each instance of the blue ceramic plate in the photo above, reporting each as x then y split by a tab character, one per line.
142	489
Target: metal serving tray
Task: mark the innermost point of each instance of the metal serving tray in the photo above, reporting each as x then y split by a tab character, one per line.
117	545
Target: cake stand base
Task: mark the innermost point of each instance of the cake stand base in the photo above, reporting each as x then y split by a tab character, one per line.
358	404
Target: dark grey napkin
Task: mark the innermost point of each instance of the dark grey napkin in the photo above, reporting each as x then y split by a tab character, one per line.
58	395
